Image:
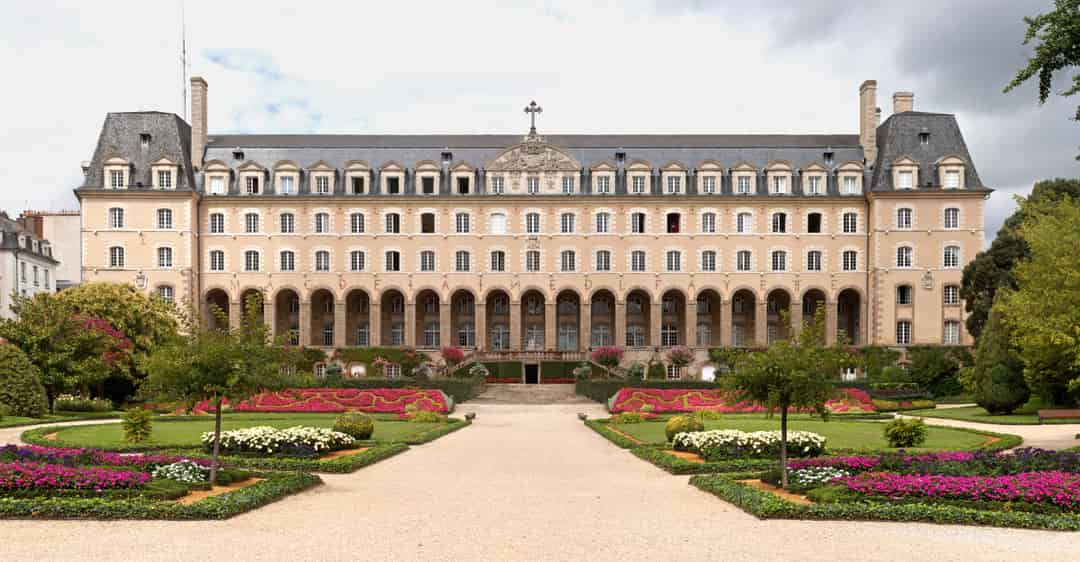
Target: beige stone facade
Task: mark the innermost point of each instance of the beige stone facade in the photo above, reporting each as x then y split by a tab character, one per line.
537	248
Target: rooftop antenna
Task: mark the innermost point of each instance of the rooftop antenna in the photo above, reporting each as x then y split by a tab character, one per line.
183	59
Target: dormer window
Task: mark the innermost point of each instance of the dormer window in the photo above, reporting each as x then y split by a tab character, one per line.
116	179
813	185
905	179
358	186
674	185
144	140
463	185
238	154
779	185
164	178
251	185
603	184
427	185
828	155
393	186
952	179
924	138
322	185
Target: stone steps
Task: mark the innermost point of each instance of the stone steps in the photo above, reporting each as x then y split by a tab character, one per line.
530	394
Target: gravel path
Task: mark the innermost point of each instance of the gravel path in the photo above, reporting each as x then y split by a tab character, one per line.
523	483
1050	436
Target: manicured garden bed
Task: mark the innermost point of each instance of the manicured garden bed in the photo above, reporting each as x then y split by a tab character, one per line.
1027	488
1025	415
337	400
671	400
184	432
344	461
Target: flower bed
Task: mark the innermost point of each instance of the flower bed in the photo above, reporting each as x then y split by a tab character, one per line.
266	440
670	400
960	463
47	476
332	400
733	444
1054	487
82	456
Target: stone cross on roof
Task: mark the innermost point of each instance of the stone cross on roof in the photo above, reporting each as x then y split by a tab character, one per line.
532	109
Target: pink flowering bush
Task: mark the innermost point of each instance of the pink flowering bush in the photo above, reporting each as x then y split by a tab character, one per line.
452	355
45	476
609	356
680	356
1051	487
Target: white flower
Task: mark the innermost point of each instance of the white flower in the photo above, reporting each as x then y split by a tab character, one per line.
271	440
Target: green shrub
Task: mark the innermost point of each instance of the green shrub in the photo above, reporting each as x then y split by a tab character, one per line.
426	416
69	403
657	370
831	493
884	405
20	384
359	426
997	379
1001	389
136	424
706	415
627	417
682	424
905	432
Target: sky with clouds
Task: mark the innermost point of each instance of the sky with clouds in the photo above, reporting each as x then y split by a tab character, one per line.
469	67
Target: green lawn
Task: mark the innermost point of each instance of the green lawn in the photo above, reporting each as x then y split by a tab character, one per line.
185	432
1025	415
16	421
840	434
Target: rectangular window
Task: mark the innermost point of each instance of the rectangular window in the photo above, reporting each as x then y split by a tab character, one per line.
164	219
463	186
903	332
813	261
288	223
251	185
603	260
637	223
850	185
603	184
356	223
674	261
952	218
742	260
322	185
427	185
251	223
708	261
427	260
461	223
906	180
251	261
569	261
779	185
217	185
164	257
217	260
393	185
116	179
952	179
674	185
603	223
952	295
393	261
637	185
708	184
567	185
851	223
393	223
813	185
532	223
533	185
566	223
708	222
952	332
497	186
356	260
637	261
498	261
288	261
743	185
532	261
287	184
461	260
164	179
779	261
358	185
851	260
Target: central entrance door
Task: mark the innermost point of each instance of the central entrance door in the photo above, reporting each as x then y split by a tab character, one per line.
532	374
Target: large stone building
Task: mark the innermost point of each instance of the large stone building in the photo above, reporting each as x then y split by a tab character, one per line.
541	246
63	229
27	265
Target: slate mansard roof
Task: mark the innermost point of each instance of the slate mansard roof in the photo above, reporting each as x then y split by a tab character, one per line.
171	138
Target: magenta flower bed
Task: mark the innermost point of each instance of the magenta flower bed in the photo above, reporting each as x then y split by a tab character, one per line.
76	456
669	400
332	400
1050	487
867	462
40	476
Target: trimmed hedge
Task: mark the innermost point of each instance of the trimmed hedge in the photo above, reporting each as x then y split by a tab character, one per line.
600	390
276	486
883	405
343	464
675	465
604	429
765	505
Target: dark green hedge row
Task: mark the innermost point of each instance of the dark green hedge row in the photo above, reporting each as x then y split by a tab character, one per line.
765	505
348	463
276	486
600	390
658	457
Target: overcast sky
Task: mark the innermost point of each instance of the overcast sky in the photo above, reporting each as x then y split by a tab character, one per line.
470	67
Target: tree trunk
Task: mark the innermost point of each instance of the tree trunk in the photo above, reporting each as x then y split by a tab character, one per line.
783	447
217	441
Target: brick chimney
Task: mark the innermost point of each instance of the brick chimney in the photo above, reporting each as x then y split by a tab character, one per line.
198	121
903	101
869	118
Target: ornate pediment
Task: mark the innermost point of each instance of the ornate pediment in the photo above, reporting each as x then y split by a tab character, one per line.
533	155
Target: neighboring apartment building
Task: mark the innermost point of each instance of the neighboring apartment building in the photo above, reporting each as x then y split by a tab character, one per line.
540	247
63	229
27	265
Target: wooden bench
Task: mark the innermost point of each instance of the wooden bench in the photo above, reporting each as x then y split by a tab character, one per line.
1058	415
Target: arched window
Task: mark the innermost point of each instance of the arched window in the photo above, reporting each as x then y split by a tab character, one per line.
288	223
850	260
116	257
603	260
356	260
322	260
637	260
288	260
164	219
951	259
813	260
251	223
742	260
779	223
116	217
568	260
251	260
322	223
566	223
904	295
217	260
356	223
427	260
708	223
498	223
393	223
851	223
217	223
743	223
779	260
532	223
903	218
903	256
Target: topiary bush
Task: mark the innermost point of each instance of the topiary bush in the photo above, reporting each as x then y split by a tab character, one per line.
21	390
136	424
904	432
358	425
426	416
682	424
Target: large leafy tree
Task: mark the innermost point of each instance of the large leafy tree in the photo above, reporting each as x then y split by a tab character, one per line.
997	377
215	364
992	269
1057	48
1043	313
792	375
147	321
72	350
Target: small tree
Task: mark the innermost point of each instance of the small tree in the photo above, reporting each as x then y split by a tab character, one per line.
215	364
607	356
792	374
997	378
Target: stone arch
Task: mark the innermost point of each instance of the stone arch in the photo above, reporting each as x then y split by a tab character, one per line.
463	318
392	321
710	305
323	304
533	303
673	317
497	310
427	305
743	317
259	296
357	317
849	315
602	303
813	299
417	291
287	314
638	318
778	314
216	308
568	320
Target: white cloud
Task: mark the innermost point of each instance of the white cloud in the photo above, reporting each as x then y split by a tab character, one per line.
470	67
